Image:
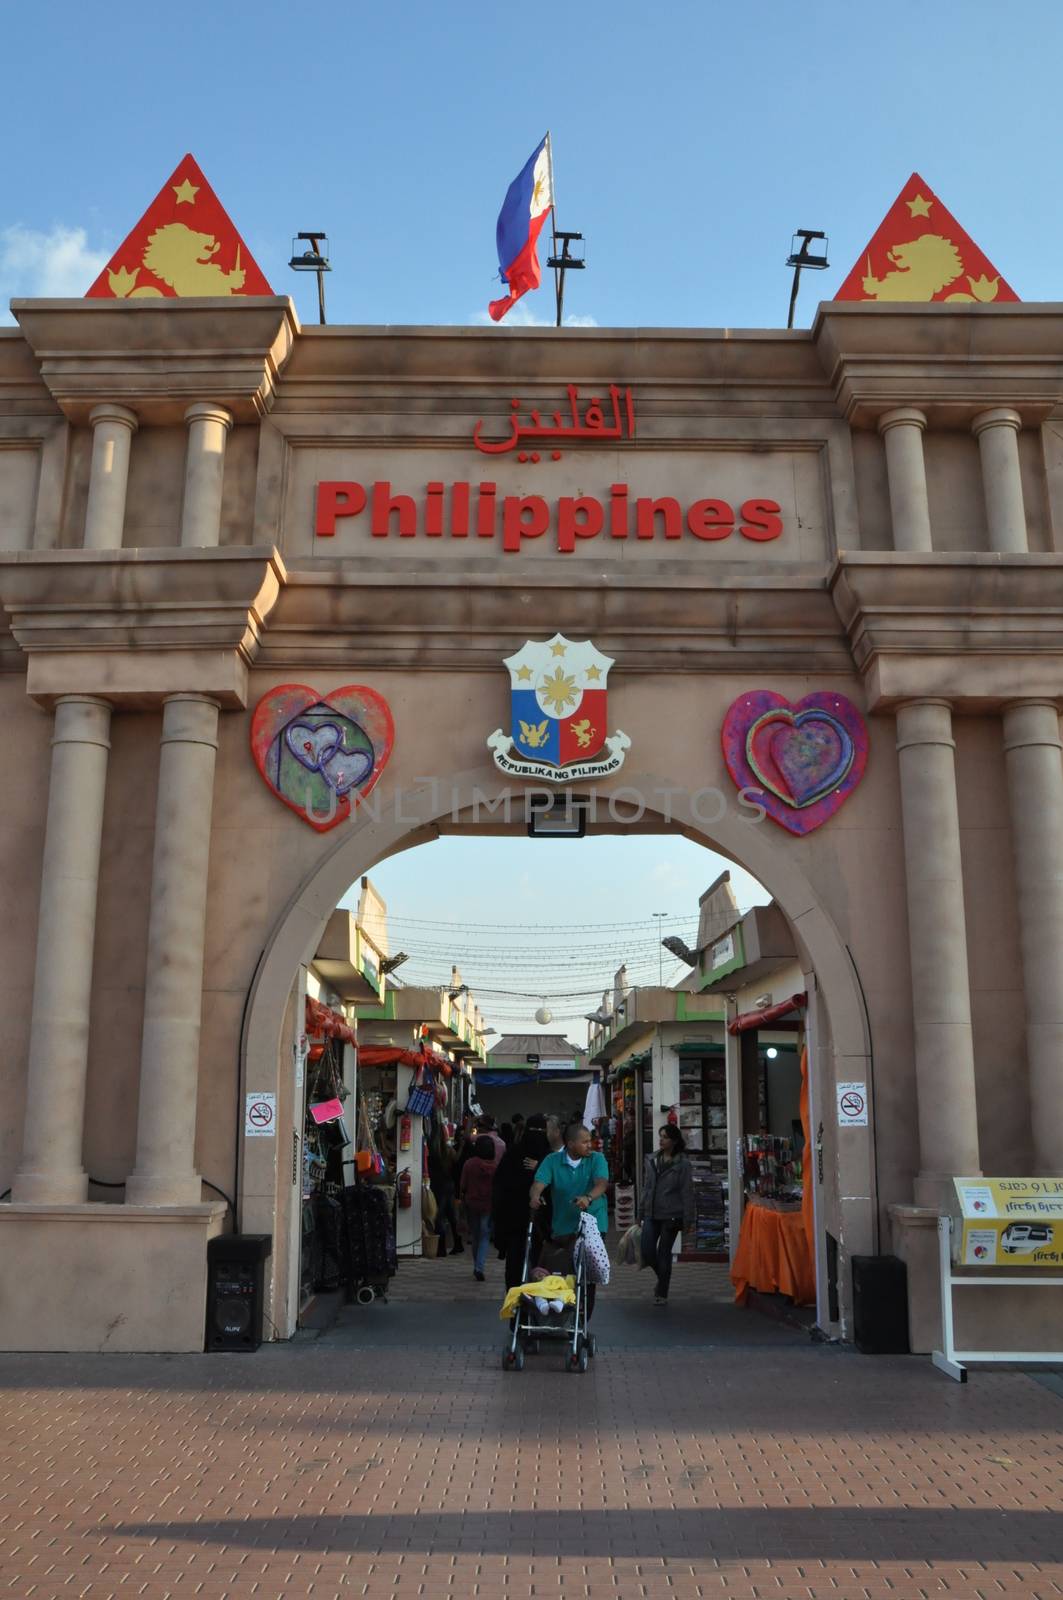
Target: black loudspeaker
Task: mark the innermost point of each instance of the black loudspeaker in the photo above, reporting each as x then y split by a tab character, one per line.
236	1265
880	1305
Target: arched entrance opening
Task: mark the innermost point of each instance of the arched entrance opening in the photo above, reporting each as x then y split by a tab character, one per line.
478	799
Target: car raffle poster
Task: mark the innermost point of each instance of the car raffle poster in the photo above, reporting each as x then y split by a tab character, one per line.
1010	1222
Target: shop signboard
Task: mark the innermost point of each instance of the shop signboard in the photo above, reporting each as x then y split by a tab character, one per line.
1009	1222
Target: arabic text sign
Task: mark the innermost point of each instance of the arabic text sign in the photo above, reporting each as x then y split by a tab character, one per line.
260	1115
592	427
1015	1222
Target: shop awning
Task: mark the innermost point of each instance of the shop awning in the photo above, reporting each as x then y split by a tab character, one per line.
763	1019
629	1065
390	1055
500	1080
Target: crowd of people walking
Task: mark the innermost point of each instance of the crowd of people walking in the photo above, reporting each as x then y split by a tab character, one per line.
491	1183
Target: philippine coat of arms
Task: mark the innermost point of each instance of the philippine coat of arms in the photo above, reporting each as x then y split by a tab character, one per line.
558	705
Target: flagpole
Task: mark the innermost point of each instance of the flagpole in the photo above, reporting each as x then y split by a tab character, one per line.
553	224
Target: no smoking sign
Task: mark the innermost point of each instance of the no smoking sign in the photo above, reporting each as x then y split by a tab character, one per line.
852	1105
260	1116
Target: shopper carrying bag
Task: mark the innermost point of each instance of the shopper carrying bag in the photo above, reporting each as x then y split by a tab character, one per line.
667	1205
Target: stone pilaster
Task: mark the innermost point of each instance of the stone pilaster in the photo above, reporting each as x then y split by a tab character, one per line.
937	937
50	1169
997	433
208	430
165	1173
113	428
1035	790
902	432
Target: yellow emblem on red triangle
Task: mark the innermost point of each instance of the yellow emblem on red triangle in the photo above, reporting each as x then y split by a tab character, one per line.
919	254
185	244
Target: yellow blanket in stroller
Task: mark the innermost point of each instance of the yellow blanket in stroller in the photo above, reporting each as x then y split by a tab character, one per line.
553	1288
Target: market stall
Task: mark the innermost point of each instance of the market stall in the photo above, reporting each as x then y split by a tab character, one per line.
775	1251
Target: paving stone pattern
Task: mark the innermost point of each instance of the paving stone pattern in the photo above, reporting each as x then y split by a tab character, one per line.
721	1469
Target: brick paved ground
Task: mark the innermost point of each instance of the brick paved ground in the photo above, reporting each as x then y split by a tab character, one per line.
750	1464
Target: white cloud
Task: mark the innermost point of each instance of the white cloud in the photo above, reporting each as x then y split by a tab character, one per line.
522	316
53	265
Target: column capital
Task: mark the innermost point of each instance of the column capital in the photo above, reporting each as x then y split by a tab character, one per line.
110	411
998	417
924	722
190	719
82	719
207	411
902	416
1031	722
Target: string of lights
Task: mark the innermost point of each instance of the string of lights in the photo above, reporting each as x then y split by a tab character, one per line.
538	927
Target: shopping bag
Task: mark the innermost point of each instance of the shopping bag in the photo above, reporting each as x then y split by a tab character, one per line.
628	1252
422	1097
596	1256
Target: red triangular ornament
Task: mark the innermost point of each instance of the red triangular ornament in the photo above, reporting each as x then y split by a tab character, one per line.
185	244
919	253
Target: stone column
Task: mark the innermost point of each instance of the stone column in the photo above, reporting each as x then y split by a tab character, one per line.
937	938
997	433
208	429
169	1062
113	428
902	431
1035	789
50	1169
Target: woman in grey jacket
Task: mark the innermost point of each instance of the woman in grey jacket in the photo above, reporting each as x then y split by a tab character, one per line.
667	1205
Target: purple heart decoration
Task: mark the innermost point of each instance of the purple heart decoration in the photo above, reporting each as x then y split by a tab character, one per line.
313	746
345	769
804	760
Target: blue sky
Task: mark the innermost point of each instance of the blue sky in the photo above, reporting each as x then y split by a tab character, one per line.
690	139
552	918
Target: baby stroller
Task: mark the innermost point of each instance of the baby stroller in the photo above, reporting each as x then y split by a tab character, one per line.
529	1326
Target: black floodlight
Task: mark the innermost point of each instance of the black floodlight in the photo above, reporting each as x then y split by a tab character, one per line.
802	255
563	262
313	259
562	816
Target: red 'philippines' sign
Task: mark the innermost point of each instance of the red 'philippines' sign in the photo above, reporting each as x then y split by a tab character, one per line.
468	511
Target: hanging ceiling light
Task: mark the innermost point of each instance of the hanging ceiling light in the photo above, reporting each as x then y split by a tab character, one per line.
544	1014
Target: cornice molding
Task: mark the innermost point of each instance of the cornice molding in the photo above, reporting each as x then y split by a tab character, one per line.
135	625
977	630
951	362
158	356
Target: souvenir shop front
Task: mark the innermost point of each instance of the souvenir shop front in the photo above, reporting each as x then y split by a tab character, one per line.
736	1096
368	1114
774	1250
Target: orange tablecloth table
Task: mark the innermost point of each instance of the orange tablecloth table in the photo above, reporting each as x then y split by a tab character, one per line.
773	1255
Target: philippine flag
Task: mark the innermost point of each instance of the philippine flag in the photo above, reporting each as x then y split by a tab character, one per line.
520	223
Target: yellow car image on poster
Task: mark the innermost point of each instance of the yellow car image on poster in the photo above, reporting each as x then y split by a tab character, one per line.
1009	1222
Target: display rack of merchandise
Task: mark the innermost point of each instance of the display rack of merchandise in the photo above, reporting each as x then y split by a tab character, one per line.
709	1236
769	1167
703	1123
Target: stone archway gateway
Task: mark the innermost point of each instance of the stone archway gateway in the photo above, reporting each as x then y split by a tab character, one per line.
837	1020
237	554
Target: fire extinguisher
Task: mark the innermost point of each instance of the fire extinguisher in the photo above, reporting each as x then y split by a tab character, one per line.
405	1193
405	1133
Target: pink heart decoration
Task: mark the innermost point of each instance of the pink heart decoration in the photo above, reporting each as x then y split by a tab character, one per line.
321	753
803	760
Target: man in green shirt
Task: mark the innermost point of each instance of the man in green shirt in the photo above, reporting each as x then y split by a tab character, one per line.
577	1178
